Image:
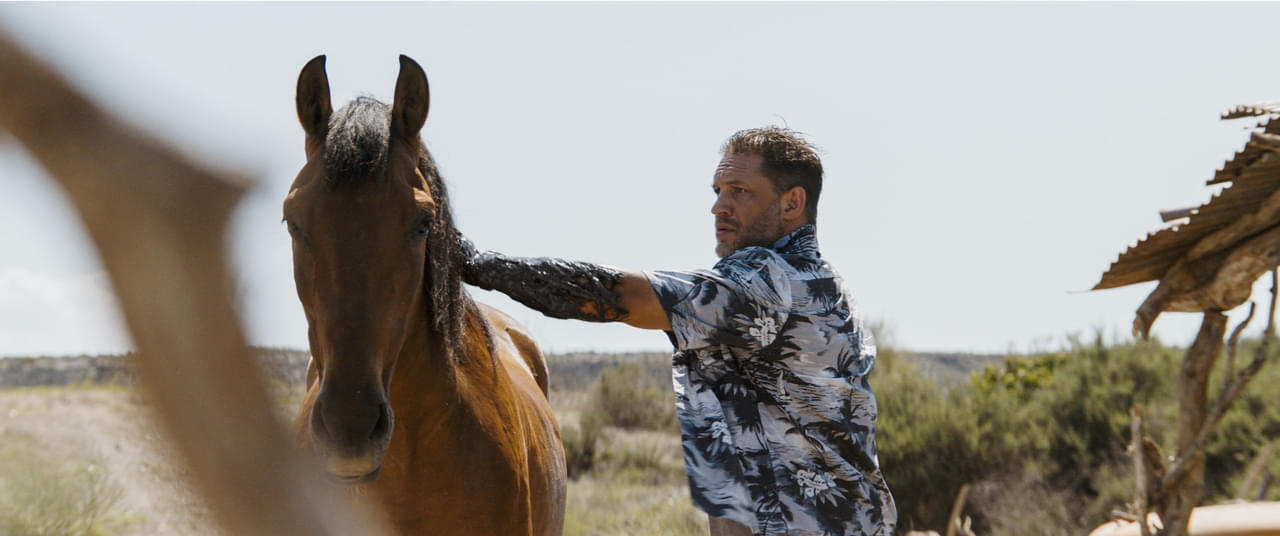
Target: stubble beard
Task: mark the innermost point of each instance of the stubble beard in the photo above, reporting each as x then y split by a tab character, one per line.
764	231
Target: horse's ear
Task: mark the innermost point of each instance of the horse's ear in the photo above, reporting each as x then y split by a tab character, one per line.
409	111
313	100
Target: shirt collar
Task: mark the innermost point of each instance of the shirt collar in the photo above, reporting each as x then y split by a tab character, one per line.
802	241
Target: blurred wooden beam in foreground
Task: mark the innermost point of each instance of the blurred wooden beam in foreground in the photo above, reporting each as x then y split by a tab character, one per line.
159	224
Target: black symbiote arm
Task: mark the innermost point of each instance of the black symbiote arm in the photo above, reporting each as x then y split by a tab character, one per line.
554	287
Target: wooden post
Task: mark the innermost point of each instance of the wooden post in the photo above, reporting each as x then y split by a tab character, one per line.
953	521
1140	477
1183	494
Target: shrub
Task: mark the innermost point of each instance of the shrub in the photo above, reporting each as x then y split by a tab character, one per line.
39	497
1044	424
627	397
643	458
582	443
930	442
1020	376
1043	437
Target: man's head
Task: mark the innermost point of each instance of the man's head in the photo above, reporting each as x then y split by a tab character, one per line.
767	185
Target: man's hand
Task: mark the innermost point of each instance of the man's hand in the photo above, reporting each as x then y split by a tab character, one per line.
637	296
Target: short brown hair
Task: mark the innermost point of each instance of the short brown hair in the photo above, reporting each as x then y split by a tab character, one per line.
789	161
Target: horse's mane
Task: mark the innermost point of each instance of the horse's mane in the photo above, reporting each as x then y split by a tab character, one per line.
357	141
356	146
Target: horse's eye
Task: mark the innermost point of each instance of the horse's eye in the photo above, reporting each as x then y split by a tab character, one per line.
423	227
293	228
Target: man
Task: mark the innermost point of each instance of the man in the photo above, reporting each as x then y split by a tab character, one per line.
771	360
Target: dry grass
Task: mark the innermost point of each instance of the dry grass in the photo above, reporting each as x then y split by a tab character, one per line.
1026	507
636	488
635	485
635	482
44	495
599	506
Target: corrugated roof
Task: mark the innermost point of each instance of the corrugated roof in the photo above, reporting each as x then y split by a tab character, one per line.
1253	110
1254	177
1257	156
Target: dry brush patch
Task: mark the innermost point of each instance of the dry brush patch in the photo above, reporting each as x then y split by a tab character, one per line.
46	495
635	484
628	474
99	464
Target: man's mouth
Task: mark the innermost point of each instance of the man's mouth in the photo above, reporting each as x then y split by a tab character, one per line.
724	229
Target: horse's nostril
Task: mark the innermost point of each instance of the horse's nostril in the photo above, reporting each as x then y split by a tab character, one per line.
383	426
348	425
317	420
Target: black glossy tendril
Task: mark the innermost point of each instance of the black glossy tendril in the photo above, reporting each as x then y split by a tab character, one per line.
554	287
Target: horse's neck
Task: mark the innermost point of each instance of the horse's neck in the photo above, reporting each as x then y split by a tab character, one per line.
430	382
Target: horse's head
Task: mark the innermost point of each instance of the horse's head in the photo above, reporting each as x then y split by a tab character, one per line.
362	213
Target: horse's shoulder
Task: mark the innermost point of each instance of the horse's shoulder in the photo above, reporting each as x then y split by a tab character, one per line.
526	349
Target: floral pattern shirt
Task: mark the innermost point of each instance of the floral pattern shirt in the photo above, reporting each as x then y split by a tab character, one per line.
770	375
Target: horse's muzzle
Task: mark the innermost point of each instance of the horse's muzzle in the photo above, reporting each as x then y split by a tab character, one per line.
351	433
355	480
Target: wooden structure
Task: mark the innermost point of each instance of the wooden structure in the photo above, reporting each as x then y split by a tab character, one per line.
1210	262
1208	265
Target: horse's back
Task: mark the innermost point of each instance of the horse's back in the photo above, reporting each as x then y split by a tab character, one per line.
526	369
528	356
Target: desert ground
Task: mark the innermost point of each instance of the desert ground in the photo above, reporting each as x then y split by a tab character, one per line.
106	468
70	433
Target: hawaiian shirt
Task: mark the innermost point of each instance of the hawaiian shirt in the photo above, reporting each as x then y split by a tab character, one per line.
770	375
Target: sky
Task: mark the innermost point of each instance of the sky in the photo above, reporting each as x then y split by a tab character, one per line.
985	163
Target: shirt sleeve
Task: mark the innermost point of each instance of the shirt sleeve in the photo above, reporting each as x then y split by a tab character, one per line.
743	301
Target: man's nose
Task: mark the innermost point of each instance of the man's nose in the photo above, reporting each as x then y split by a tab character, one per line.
720	207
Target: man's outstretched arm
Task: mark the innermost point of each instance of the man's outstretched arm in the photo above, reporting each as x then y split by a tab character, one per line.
565	289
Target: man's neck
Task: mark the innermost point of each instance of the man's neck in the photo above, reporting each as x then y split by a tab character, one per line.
788	228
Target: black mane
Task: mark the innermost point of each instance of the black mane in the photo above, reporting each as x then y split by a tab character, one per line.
356	143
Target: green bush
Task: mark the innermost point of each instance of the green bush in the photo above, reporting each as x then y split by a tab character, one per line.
930	440
1042	437
1019	376
1072	430
629	396
1253	422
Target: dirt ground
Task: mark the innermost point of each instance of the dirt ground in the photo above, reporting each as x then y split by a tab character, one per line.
638	491
109	426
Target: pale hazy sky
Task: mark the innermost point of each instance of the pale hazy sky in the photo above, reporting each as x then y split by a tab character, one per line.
985	162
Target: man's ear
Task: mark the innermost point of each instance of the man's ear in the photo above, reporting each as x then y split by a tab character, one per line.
793	203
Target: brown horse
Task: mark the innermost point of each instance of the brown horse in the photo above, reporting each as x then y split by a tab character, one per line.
466	443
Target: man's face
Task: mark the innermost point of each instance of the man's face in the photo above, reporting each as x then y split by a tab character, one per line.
747	208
